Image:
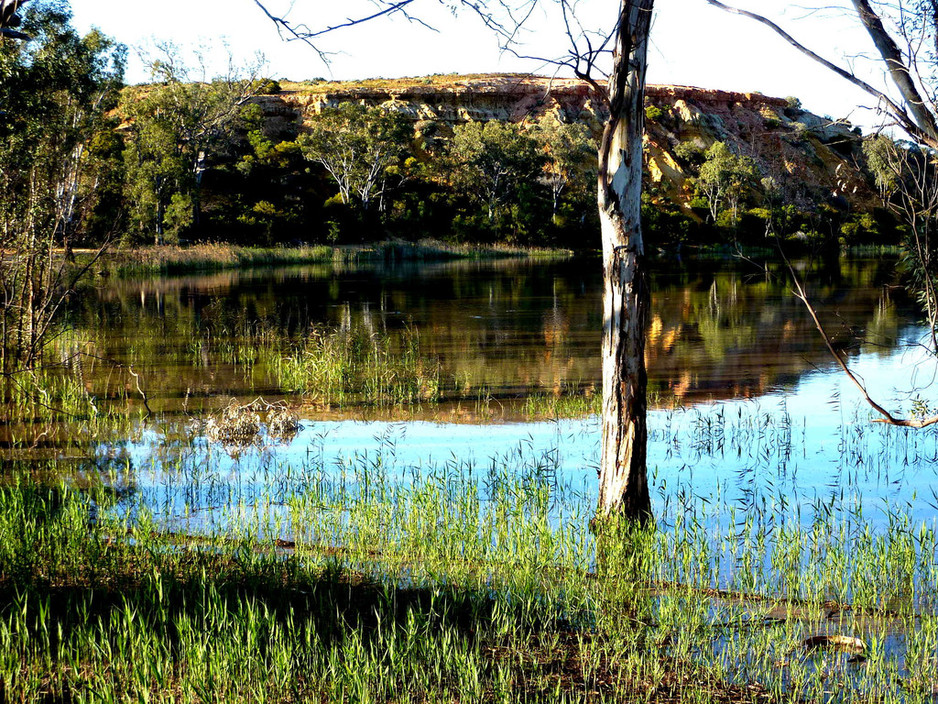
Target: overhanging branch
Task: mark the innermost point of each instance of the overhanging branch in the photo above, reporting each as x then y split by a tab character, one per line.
799	293
10	19
923	133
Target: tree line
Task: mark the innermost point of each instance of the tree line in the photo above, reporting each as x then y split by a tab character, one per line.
186	158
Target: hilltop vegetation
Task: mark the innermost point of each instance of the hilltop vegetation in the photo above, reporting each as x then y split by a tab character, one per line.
511	159
488	159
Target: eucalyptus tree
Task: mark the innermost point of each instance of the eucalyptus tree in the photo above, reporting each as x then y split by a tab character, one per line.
493	160
56	90
623	483
570	157
173	127
357	146
724	178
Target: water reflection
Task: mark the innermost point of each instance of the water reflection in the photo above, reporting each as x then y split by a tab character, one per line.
796	455
504	329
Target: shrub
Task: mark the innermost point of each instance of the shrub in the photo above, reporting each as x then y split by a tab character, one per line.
269	87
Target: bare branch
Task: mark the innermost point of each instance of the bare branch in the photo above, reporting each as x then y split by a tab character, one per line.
388	10
799	293
294	33
924	133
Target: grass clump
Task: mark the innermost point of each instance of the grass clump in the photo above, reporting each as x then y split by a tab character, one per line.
207	257
355	366
168	259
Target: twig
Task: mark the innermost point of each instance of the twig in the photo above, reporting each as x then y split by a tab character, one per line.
143	394
799	293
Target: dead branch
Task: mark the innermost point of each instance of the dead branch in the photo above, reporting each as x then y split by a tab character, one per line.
924	132
799	293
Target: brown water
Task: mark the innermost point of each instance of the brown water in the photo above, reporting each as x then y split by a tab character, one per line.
500	329
504	329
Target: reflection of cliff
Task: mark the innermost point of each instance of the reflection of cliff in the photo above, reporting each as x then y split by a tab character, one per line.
734	335
509	331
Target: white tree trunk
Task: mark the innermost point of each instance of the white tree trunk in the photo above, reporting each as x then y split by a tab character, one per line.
623	484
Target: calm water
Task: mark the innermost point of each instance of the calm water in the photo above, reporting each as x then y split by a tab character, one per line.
718	329
752	412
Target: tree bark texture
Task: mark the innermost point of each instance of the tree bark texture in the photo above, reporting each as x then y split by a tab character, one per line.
623	483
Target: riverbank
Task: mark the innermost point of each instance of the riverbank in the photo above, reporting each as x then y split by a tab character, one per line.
453	589
209	257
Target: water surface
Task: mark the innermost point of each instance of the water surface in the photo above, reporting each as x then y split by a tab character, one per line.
751	410
504	329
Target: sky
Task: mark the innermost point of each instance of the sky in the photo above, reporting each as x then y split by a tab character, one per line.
692	43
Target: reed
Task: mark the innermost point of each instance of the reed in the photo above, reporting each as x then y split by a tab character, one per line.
207	257
469	582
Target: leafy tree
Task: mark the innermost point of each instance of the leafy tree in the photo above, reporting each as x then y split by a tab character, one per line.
493	161
357	146
175	126
570	158
56	90
725	178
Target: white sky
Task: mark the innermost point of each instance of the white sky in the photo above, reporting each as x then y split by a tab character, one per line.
692	43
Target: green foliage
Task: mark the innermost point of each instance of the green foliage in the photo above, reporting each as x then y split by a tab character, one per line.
860	229
881	158
178	217
690	154
265	216
725	178
667	227
268	87
699	203
653	113
176	126
570	166
497	164
357	146
55	91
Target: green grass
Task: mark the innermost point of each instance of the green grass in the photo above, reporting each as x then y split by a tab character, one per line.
472	585
50	408
174	259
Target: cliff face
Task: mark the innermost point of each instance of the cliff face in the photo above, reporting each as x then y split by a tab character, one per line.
809	157
447	99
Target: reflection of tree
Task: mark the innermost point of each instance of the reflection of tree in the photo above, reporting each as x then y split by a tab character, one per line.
510	330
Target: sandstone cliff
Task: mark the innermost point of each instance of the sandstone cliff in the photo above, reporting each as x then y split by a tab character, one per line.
811	158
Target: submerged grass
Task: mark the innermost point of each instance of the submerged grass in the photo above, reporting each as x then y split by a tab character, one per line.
468	582
50	407
358	366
